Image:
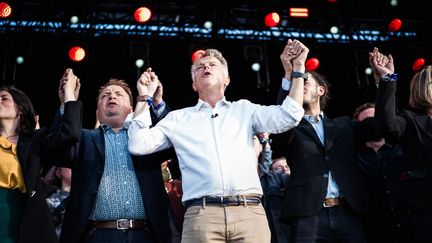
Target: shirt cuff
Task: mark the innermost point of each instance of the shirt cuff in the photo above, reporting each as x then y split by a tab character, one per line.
160	105
286	84
159	109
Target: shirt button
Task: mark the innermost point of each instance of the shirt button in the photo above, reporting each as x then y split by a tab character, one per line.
327	158
325	175
125	182
388	192
127	202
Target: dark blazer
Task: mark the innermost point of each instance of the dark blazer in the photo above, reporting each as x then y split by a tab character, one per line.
310	162
35	151
413	131
87	170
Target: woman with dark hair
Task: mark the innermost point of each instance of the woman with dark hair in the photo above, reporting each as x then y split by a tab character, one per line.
24	151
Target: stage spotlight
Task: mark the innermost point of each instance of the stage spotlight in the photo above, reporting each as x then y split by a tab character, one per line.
77	53
334	30
312	64
418	64
197	54
394	3
272	19
20	60
139	63
299	12
368	71
208	24
5	10
74	19
142	14
256	66
395	25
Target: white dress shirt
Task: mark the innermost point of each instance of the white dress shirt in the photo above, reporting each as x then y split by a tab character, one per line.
215	146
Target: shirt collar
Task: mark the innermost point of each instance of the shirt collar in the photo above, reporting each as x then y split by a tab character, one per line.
202	104
5	144
309	118
108	129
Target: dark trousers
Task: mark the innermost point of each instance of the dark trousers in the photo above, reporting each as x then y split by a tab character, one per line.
334	224
279	231
119	236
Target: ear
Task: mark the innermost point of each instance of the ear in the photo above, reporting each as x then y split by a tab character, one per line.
321	90
227	81
57	172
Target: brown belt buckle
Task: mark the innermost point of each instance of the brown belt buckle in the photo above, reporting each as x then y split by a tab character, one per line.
331	202
121	226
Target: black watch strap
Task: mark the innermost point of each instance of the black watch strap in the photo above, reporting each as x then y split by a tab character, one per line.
299	75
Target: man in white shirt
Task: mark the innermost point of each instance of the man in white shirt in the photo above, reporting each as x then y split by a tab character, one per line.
214	145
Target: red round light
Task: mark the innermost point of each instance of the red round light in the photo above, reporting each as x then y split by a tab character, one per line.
77	53
312	64
272	19
5	10
142	14
395	25
197	54
418	64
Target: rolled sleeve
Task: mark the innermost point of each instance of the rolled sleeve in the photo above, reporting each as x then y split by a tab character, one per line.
291	107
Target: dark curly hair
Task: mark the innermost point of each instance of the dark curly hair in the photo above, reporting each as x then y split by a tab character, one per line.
24	108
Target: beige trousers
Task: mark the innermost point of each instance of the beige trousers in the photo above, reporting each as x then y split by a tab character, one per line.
208	224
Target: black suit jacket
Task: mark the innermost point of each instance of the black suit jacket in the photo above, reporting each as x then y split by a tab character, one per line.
413	130
34	152
310	162
87	169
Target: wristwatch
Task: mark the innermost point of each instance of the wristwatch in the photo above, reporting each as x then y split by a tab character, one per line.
146	98
390	77
299	75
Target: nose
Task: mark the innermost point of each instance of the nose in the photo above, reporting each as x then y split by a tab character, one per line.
112	96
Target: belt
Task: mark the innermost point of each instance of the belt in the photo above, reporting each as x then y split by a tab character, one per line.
331	202
121	224
224	201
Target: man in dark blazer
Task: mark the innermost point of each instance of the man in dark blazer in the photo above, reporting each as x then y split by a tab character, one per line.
115	197
326	194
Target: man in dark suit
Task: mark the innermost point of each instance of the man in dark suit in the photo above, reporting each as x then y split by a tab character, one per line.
326	194
114	197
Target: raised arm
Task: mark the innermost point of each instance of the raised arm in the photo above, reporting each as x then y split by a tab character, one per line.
69	87
300	52
293	60
159	108
383	69
147	85
66	129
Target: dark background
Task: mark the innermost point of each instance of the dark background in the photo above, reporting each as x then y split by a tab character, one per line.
113	56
